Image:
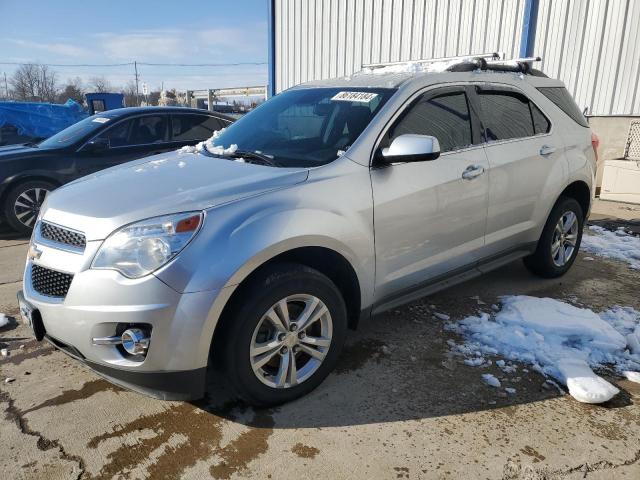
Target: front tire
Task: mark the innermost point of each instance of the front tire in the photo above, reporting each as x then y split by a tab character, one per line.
22	204
560	240
283	334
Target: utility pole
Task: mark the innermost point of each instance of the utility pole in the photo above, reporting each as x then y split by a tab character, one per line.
6	88
135	66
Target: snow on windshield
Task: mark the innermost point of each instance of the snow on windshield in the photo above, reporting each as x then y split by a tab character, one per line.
209	146
617	245
556	339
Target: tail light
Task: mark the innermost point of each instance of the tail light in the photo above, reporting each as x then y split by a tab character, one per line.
595	143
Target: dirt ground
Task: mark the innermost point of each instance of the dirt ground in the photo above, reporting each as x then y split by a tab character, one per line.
400	405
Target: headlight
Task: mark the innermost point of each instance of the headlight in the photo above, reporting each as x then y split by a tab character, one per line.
138	249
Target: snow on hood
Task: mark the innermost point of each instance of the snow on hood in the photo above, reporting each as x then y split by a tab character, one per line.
558	340
617	245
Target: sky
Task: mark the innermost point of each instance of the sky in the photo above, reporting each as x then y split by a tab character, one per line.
117	31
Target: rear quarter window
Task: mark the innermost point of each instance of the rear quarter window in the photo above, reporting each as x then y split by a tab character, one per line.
563	100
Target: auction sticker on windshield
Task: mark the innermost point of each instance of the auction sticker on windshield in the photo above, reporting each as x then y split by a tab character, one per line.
364	97
101	120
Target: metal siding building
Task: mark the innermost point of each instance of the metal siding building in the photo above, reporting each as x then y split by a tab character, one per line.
593	46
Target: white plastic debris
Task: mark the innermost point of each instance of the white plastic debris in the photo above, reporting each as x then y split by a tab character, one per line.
9	380
491	380
617	245
4	320
4	352
510	390
441	316
558	340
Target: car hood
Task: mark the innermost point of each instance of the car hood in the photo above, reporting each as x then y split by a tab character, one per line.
159	185
16	150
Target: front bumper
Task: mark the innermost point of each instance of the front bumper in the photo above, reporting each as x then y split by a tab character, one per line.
98	301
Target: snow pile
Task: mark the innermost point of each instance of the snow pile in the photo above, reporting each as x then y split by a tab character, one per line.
4	320
208	146
618	245
558	340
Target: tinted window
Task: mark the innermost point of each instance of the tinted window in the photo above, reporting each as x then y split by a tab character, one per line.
306	126
445	117
505	115
148	129
540	123
562	98
186	127
118	135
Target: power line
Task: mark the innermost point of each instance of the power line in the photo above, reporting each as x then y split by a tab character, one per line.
148	64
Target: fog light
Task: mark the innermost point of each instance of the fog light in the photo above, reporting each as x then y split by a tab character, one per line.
135	341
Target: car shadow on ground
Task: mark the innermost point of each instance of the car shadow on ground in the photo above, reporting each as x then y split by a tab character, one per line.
630	226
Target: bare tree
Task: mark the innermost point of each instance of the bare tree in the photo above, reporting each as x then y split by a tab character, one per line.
100	85
129	92
73	90
34	83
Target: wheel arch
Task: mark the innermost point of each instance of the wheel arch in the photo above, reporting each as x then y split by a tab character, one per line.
326	260
580	191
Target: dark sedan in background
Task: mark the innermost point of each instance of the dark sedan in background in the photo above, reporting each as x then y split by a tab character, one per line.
29	172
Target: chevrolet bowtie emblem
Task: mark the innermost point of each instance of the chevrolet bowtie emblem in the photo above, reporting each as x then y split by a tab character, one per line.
34	253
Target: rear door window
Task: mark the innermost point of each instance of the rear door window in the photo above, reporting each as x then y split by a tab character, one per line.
563	100
444	116
505	115
188	127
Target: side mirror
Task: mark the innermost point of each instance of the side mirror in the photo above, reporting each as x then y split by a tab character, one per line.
410	148
97	145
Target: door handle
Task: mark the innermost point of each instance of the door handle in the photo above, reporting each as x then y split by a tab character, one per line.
472	171
547	150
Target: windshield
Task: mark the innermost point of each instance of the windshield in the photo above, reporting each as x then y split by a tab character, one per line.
306	127
75	132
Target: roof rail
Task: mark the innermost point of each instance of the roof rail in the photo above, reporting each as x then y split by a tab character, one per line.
462	58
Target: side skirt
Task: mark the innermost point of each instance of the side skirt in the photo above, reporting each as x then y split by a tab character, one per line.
448	279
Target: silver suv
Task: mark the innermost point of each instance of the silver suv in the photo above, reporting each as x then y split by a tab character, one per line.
332	202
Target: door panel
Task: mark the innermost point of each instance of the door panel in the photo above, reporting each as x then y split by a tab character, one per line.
430	220
525	164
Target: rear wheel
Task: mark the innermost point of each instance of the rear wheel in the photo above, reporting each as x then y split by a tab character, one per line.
560	240
22	204
284	335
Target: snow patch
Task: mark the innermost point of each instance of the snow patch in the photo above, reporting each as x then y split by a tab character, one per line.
617	245
491	380
556	339
210	146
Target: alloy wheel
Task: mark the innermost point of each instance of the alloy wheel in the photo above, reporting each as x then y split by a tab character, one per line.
565	236
27	206
291	341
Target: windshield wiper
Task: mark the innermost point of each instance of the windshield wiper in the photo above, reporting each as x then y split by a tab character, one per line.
254	157
30	144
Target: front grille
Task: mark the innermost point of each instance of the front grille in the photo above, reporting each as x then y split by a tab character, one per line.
62	235
50	282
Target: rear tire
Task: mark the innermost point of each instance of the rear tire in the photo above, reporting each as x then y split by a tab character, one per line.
22	204
560	240
249	328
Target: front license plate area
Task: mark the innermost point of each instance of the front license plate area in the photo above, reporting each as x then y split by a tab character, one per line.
31	316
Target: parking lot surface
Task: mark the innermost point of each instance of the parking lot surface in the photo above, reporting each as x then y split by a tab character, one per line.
400	405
